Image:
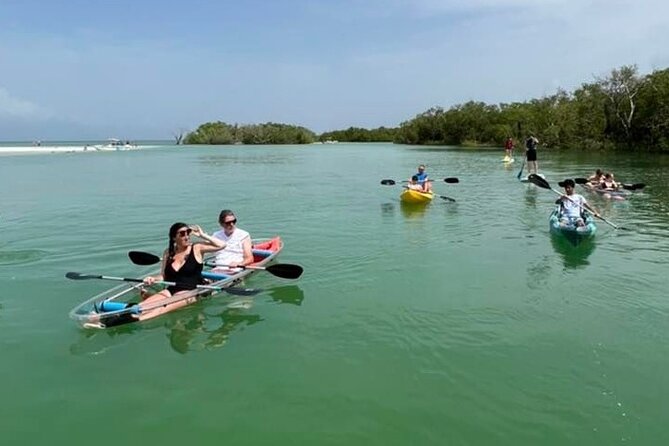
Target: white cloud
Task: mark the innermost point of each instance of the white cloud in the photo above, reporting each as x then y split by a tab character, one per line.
19	108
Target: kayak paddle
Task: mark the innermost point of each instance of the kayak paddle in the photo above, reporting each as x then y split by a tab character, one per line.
522	166
451	180
230	290
389	182
626	186
541	182
283	270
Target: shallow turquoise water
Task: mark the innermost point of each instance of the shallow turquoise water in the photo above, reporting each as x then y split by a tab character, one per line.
457	323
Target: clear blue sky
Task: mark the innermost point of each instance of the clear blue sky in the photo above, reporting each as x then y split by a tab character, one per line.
148	68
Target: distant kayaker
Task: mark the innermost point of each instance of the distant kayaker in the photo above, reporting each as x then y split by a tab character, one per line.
423	179
596	178
608	182
414	184
238	249
531	153
572	205
508	147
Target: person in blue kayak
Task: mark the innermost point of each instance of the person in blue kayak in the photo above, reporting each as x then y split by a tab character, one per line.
572	205
238	249
531	144
423	179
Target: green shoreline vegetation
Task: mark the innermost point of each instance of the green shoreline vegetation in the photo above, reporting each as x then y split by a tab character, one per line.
623	110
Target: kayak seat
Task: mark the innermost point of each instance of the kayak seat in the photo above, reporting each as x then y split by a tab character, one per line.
214	275
260	254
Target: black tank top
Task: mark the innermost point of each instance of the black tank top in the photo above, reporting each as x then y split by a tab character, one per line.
187	277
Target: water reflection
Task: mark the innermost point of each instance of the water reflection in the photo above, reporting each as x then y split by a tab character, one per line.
387	209
573	257
289	294
413	210
200	331
192	329
531	194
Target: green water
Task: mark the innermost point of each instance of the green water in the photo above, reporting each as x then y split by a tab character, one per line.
460	323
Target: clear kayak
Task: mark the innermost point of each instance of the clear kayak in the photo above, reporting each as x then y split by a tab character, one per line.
416	197
574	234
607	193
118	305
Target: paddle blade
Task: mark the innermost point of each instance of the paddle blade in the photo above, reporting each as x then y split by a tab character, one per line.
538	181
285	270
444	197
143	258
79	276
581	180
451	180
635	186
241	291
388	182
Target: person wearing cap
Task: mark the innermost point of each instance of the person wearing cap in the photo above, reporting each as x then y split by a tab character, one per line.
422	179
571	205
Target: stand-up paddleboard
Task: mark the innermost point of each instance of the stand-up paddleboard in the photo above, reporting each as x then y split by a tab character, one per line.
507	160
526	179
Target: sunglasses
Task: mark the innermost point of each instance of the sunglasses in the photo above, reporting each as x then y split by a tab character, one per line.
230	222
183	232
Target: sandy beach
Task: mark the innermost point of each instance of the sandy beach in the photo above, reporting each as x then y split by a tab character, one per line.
28	150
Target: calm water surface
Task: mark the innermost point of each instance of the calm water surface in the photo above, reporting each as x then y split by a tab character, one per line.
458	323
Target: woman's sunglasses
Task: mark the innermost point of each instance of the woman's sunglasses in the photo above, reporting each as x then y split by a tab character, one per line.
231	222
183	232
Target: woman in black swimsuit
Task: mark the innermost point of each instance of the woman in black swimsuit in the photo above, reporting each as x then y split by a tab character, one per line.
182	263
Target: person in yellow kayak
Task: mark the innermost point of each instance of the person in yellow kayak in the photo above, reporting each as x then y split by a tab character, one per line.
422	179
572	205
414	184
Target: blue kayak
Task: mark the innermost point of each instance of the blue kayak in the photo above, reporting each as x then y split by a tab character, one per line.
574	234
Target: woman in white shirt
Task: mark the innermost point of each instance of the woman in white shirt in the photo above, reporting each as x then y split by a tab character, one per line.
237	250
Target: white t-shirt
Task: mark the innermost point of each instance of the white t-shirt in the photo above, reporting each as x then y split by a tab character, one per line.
570	205
233	251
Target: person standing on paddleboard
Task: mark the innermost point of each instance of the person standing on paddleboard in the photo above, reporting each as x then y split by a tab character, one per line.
508	148
531	154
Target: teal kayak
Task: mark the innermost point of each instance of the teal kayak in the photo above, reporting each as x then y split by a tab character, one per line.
574	234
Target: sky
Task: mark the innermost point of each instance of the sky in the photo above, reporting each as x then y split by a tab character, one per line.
149	69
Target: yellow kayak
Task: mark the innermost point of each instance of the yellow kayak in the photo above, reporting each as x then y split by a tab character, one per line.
414	196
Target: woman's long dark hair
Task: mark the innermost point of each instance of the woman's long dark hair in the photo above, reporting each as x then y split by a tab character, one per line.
171	247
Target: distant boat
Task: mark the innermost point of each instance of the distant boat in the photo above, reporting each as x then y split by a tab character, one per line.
330	141
116	144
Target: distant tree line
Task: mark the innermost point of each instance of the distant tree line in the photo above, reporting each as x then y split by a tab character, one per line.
623	110
269	133
357	134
